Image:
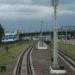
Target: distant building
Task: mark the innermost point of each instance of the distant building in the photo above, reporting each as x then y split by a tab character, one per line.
9	37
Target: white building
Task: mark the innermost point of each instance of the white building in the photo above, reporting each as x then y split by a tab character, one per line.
8	37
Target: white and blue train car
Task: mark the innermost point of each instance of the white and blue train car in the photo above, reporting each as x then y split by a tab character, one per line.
9	37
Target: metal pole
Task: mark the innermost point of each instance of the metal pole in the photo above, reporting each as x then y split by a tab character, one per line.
66	39
46	35
41	35
55	55
61	34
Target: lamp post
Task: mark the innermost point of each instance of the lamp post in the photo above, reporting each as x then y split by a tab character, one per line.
55	34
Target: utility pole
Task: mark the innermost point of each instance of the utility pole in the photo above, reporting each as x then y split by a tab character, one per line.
61	39
66	37
55	43
41	27
41	35
46	31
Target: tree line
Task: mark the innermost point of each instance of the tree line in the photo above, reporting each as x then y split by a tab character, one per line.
1	32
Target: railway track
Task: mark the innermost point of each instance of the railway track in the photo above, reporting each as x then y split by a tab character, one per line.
69	59
23	65
29	70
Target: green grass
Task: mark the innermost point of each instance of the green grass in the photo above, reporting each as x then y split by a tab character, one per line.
70	49
2	73
14	50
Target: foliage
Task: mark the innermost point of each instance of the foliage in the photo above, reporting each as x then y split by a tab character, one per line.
1	32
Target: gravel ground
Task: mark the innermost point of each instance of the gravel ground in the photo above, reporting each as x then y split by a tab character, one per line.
41	61
67	68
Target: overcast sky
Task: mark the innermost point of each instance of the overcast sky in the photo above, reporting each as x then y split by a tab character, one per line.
26	15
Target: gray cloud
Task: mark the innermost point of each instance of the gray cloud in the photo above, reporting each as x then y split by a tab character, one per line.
29	10
24	12
15	1
20	10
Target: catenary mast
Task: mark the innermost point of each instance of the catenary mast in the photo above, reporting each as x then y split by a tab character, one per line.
55	34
